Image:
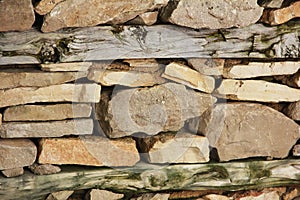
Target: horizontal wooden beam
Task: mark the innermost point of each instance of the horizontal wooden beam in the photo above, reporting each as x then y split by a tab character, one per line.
159	41
231	176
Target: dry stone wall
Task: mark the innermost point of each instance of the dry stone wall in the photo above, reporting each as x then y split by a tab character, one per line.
154	99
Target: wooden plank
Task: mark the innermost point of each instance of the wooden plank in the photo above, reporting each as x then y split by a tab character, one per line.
231	176
159	41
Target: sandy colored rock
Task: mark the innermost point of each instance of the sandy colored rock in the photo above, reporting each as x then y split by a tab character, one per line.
257	69
215	197
81	13
296	150
207	66
151	196
16	153
96	194
0	119
175	148
242	130
282	15
293	111
46	129
47	112
145	65
265	196
257	90
61	195
67	67
212	14
150	110
148	18
44	169
45	6
291	194
13	172
53	93
88	150
16	15
183	74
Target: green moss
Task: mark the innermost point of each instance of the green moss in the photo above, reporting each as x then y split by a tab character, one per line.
258	171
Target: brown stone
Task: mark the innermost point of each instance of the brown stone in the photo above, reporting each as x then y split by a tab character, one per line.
175	148
81	13
53	93
88	150
242	130
16	153
13	172
192	194
272	3
296	150
212	14
150	110
264	196
45	6
207	66
46	129
0	119
293	111
16	15
67	67
148	18
47	112
282	15
291	194
61	195
96	194
151	196
145	65
44	169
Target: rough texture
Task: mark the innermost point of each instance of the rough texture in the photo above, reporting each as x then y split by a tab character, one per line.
13	172
296	150
46	129
150	110
45	6
271	3
152	196
215	197
293	111
80	13
67	67
148	18
242	130
54	93
16	153
16	15
257	90
264	196
62	195
88	150
47	112
96	194
183	74
207	66
256	69
44	169
175	148
213	14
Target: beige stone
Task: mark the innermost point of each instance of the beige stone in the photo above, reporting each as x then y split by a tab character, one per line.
13	172
257	90
213	14
150	110
215	197
61	195
293	111
0	119
145	65
207	66
47	112
265	196
45	6
44	169
175	148
151	196
67	67
291	194
16	15
296	150
88	150
16	153
81	13
256	69
53	93
282	15
96	194
183	74
46	129
148	18
242	130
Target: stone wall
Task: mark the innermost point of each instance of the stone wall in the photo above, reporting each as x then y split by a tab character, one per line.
169	99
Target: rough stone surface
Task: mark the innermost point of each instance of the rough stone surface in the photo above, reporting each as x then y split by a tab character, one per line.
88	150
271	3
291	194
293	111
16	153
46	129
151	196
257	90
207	66
45	6
16	15
215	197
67	67
242	130
47	112
96	194
175	148
81	13
256	69
150	110
296	150
148	18
282	15
183	74
265	196
61	195
13	172
212	14
53	93
0	119
44	169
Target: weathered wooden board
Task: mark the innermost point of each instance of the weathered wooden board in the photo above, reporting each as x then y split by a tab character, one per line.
218	176
160	41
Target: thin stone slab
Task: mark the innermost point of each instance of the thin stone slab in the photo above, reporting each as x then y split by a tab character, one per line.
207	66
96	194
88	150
46	129
257	90
67	67
47	112
53	93
13	172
